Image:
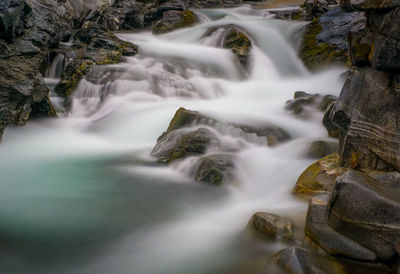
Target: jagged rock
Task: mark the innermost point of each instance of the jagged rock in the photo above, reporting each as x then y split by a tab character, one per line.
180	144
215	169
367	114
316	8
174	19
271	226
319	149
365	226
325	38
320	176
290	13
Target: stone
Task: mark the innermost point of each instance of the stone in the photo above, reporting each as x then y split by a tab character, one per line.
215	169
369	4
367	115
174	19
271	226
331	128
370	218
320	176
319	149
325	39
239	43
179	144
386	54
304	104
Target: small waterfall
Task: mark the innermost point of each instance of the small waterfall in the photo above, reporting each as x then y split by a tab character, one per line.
57	67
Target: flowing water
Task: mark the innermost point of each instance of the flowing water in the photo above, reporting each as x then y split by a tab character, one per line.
82	194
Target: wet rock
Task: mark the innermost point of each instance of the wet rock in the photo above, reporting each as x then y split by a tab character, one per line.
14	16
174	19
325	38
319	149
180	144
367	114
320	176
331	128
316	8
288	14
93	45
271	226
239	43
299	260
303	104
386	53
215	169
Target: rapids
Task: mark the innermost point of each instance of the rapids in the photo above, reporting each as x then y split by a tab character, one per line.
82	194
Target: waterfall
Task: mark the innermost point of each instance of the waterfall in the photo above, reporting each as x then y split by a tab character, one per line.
86	194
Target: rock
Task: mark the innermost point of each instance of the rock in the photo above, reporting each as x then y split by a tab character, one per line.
288	14
369	4
93	45
327	238
174	19
179	144
215	169
303	104
301	261
316	8
271	226
320	176
319	149
367	114
370	218
325	39
239	43
331	128
14	15
386	53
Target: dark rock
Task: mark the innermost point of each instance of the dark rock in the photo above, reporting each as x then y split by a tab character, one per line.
325	39
301	261
239	43
288	14
386	53
14	15
215	169
174	19
370	218
316	8
304	103
369	4
331	128
179	144
319	149
271	226
367	114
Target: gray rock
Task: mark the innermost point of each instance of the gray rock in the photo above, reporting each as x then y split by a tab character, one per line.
319	149
271	226
369	4
215	169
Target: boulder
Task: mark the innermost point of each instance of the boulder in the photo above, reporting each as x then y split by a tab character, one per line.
215	169
179	144
271	226
303	104
320	176
367	115
325	38
316	8
174	19
239	44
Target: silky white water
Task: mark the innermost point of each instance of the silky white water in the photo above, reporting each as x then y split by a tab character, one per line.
82	194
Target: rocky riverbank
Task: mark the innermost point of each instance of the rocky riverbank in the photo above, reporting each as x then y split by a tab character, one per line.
353	222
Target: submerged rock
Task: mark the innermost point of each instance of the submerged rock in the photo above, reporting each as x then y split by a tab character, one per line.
174	19
319	149
320	176
271	226
365	226
303	104
215	169
239	43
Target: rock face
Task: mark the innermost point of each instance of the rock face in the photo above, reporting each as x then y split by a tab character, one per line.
366	112
271	226
325	38
27	30
365	226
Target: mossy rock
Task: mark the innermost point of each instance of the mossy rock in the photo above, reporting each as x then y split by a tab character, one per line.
320	176
315	54
173	20
239	44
